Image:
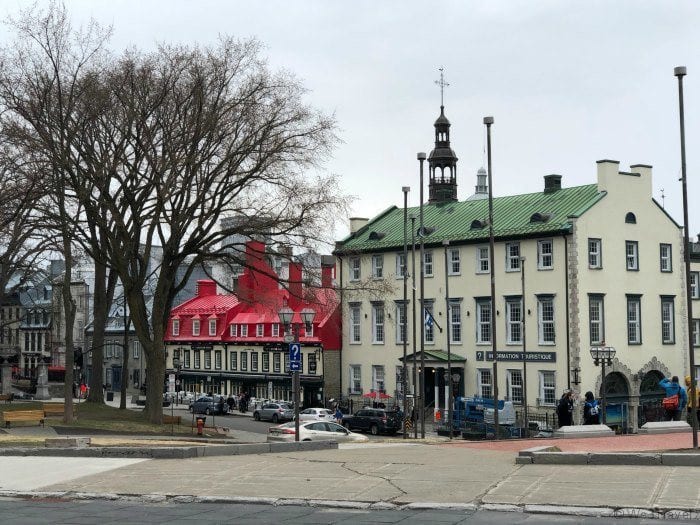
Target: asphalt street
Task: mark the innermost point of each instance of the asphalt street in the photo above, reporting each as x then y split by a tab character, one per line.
58	511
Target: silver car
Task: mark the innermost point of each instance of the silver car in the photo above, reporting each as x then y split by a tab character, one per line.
314	431
275	412
316	414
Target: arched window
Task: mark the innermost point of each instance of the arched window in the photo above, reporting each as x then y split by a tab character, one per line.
630	218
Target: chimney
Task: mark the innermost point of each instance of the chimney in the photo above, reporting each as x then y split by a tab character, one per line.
206	287
327	271
552	183
356	223
295	285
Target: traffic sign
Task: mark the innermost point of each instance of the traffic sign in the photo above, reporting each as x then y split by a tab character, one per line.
294	357
294	366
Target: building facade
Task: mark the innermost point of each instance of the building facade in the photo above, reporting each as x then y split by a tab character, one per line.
228	344
599	265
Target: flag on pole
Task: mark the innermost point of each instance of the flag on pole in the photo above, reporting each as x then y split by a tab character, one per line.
430	320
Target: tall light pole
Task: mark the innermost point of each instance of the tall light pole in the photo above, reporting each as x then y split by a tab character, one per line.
413	323
680	72
404	309
421	232
494	349
602	355
286	316
524	322
448	375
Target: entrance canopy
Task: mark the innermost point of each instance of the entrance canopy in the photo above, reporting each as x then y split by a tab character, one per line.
434	358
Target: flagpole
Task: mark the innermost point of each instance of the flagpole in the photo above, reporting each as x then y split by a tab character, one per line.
421	158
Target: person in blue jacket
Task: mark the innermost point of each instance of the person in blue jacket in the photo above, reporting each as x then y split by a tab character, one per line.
591	410
672	389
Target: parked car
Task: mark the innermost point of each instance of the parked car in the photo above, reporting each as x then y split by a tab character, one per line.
314	431
209	405
316	414
374	420
275	412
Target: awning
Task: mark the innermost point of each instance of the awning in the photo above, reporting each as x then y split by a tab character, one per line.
434	355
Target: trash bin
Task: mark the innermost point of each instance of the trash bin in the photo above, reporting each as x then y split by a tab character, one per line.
110	396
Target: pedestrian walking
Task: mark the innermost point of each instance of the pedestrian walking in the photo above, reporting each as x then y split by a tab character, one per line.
693	404
565	409
230	402
591	410
338	415
675	399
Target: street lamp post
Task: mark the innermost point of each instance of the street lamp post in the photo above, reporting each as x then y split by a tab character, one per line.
176	367
680	72
421	158
602	355
286	315
448	375
413	322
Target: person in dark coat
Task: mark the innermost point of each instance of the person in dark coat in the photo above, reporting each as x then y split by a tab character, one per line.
565	409
591	410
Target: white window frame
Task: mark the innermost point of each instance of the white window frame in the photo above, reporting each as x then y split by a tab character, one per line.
244	330
694	285
632	256
543	304
355	379
514	323
454	262
275	329
455	320
309	332
233	330
401	322
512	258
217	359
482	306
197	360
484	383
212	326
483	260
378	378
428	261
668	328
355	334
378	323
207	360
195	327
514	382
596	319
399	378
595	253
378	266
136	347
260	330
354	268
665	258
545	254
548	388
634	320
185	358
175	331
400	265
696	332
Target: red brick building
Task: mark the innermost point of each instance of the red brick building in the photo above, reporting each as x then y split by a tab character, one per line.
232	343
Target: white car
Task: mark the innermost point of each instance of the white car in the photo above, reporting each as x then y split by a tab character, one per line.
314	431
315	414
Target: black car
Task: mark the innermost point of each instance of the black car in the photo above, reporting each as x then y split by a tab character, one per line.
374	420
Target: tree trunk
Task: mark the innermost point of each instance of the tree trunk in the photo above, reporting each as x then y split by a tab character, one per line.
125	360
103	296
69	318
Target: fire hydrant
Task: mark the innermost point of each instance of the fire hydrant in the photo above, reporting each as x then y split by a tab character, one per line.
200	425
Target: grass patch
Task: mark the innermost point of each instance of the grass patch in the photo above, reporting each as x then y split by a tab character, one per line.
104	417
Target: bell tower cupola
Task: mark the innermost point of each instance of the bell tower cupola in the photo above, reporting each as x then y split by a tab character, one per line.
442	162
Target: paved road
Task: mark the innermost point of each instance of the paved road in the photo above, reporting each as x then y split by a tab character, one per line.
57	511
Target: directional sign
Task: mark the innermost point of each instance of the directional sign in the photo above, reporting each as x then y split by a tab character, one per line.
294	357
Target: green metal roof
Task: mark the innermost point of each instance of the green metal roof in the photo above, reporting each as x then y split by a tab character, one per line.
435	355
452	221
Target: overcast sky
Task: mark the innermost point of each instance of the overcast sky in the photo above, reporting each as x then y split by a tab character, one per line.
568	83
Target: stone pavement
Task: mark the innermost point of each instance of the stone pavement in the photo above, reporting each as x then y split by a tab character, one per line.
387	475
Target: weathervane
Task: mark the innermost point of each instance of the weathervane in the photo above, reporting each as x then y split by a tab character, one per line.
442	85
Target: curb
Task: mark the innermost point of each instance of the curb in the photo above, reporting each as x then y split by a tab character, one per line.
668	459
173	452
564	510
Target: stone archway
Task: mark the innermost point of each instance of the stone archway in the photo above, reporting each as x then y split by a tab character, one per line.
650	396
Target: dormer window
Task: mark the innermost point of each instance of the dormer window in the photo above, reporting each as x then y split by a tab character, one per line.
233	330
175	327
212	326
376	236
477	224
630	218
540	217
195	326
275	330
244	330
260	330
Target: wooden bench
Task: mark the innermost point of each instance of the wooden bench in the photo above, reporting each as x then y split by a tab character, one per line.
172	420
13	416
55	409
7	398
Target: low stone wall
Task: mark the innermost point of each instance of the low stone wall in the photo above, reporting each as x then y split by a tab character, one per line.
674	459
